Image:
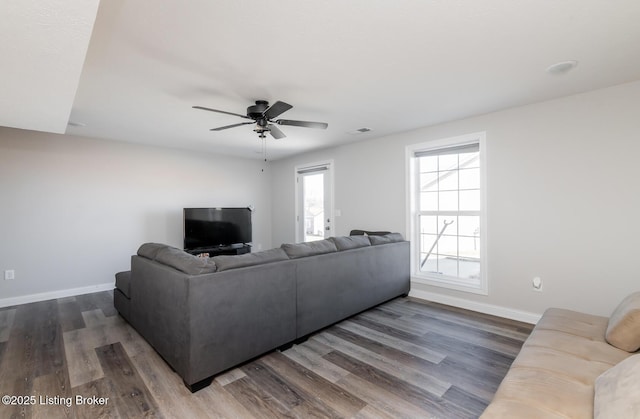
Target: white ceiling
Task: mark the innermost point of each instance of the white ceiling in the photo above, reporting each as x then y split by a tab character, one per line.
388	66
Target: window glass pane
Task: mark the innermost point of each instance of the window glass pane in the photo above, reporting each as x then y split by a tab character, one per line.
451	222
448	201
469	160
448	180
429	201
448	266
469	270
469	179
448	245
469	226
431	265
428	224
428	164
429	182
427	240
448	162
469	248
469	200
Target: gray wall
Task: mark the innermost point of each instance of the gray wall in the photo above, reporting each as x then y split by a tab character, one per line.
74	209
562	195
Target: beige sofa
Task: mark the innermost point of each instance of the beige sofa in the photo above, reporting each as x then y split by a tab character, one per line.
575	365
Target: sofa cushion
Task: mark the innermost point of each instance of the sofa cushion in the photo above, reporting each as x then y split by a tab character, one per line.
150	250
184	262
300	250
226	262
623	330
387	238
351	242
123	282
617	389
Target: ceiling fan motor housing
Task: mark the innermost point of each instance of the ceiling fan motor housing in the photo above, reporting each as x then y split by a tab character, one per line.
256	111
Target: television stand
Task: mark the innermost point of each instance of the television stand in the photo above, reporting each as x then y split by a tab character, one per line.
235	249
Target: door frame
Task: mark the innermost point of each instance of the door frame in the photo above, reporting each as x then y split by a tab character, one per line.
329	164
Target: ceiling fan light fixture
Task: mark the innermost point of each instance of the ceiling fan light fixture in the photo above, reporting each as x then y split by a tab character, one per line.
562	67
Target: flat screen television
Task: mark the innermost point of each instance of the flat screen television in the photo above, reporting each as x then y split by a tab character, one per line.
215	227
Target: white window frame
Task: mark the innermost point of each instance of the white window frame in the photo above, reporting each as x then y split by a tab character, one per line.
413	225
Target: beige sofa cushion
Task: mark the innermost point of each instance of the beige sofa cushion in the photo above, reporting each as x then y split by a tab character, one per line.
623	330
617	390
553	376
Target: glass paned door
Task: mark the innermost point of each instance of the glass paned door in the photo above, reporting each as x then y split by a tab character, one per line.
314	221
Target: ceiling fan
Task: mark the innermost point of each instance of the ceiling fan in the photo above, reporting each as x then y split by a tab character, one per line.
262	115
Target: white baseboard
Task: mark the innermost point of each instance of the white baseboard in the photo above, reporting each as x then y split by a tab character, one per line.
33	298
509	313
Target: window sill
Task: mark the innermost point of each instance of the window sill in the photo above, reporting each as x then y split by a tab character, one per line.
480	289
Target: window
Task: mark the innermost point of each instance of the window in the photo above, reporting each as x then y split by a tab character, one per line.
447	213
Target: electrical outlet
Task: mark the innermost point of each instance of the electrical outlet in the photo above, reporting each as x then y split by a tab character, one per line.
537	283
9	274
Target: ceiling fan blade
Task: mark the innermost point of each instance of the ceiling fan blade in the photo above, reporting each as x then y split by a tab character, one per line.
275	132
276	109
307	124
230	126
216	110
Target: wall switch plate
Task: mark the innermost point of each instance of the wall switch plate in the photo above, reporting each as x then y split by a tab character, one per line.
9	274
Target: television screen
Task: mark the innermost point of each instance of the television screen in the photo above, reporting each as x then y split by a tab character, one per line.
211	227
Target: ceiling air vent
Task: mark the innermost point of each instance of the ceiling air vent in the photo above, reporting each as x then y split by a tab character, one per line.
359	131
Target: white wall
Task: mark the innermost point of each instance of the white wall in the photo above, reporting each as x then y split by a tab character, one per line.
73	210
562	194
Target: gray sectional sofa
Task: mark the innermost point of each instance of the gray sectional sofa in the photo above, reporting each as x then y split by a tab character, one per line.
204	316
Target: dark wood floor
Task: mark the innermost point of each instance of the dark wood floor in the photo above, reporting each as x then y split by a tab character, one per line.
405	358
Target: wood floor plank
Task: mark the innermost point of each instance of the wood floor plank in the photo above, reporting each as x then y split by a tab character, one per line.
101	387
70	315
420	397
6	323
377	396
294	398
131	396
416	350
257	401
55	392
99	300
230	376
216	402
383	363
306	355
167	388
498	325
265	377
345	403
93	318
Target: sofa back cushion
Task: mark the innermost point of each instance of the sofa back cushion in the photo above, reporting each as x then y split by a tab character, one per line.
350	242
623	330
150	250
617	389
184	262
226	262
300	250
387	238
